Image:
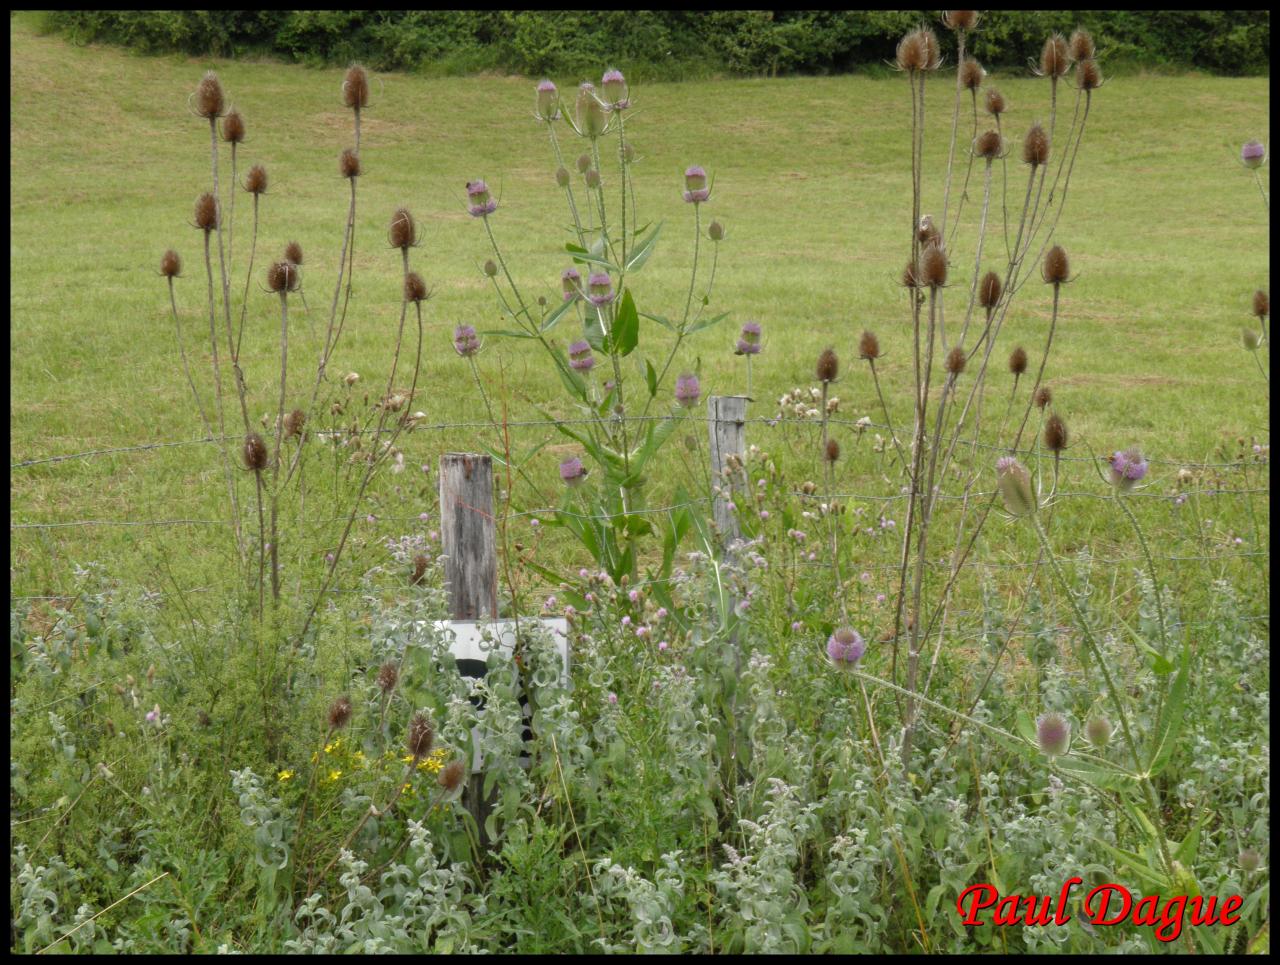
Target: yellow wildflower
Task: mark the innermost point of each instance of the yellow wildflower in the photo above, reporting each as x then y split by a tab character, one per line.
284	775
335	774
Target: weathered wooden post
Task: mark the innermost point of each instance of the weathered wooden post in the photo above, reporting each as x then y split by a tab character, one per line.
726	419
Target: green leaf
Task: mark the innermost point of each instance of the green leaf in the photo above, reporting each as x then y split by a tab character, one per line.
661	320
1171	718
554	318
651	378
506	333
707	323
626	326
640	254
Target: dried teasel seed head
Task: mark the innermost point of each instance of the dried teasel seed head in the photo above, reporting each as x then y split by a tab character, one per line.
419	570
171	267
349	163
989	144
926	231
1055	434
1080	46
355	88
403	233
960	19
989	291
910	276
233	127
206	212
1018	360
831	452
415	289
209	100
255	182
294	422
1035	146
956	360
340	713
933	52
282	277
828	365
1261	304
994	102
421	736
1088	75
918	50
869	346
255	452
1044	397
293	253
387	677
1056	268
933	266
971	74
1054	59
451	776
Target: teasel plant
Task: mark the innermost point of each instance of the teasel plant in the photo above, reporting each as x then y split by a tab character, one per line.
952	351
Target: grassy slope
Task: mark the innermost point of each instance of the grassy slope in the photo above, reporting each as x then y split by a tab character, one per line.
1165	230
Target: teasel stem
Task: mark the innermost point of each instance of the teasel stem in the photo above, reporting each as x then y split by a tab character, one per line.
1044	360
347	244
226	281
186	368
231	212
904	563
275	495
510	281
622	167
604	225
888	421
968	172
244	302
1004	181
217	383
955	124
1151	568
1266	202
828	467
1066	187
371	812
977	260
573	205
262	545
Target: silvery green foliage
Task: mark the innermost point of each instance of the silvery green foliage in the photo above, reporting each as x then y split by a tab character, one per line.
419	906
690	736
38	904
262	813
62	740
767	725
651	904
760	899
855	919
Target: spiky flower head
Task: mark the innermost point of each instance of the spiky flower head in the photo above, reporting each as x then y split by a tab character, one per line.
592	116
989	291
1054	59
387	677
715	231
490	268
845	648
420	564
355	88
403	232
420	737
960	19
933	266
282	277
1056	268
255	452
562	176
415	289
1261	304
1088	75
465	341
1035	146
580	357
451	776
255	181
1055	434
911	276
209	99
688	391
1127	468
479	204
956	360
1250	338
583	163
571	282
1098	730
831	451
1253	154
828	365
572	472
591	178
1053	733
1043	397
918	50
869	346
349	163
547	101
294	423
170	264
1250	860
989	145
994	102
293	253
340	713
927	232
206	214
599	288
971	74
748	339
233	127
614	86
1014	483
1018	360
695	183
1081	45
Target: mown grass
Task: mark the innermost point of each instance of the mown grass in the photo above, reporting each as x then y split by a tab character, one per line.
1164	228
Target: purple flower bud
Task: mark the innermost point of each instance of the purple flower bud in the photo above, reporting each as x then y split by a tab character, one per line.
599	288
662	645
465	341
1253	154
1053	733
572	471
688	391
615	89
1127	468
634	596
613	698
749	339
580	357
571	282
845	648
695	183
1014	483
479	202
548	101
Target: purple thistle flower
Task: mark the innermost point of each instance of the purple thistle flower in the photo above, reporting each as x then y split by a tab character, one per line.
571	282
465	341
548	101
615	89
1127	468
695	183
749	339
480	202
599	288
580	357
572	471
688	391
845	648
1053	733
1253	154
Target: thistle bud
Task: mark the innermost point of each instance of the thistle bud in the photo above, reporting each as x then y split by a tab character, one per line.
209	96
1253	154
989	291
1081	45
584	163
688	391
628	152
845	648
479	203
1250	860
1035	146
282	277
1018	361
715	231
971	74
1127	468
831	451
749	339
1055	434
415	289
548	102
599	288
591	178
171	266
255	452
349	163
451	777
933	266
572	472
355	88
420	737
1014	483
995	102
1098	730
206	212
1261	304
388	675
255	182
339	713
580	357
1251	338
403	233
1043	397
562	177
1053	56
615	89
1053	734
869	346
571	283
956	360
828	365
465	341
1056	268
591	115
233	127
695	183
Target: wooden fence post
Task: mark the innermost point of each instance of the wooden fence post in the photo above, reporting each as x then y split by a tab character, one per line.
468	534
726	417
